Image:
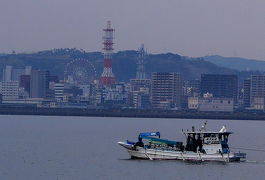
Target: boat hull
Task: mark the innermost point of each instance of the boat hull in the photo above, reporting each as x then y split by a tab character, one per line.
160	154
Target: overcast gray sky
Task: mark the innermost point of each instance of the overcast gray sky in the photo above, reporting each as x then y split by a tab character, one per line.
188	27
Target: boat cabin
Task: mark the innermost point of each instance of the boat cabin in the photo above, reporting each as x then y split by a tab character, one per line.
208	142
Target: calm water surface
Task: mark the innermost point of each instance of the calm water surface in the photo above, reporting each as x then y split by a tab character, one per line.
80	148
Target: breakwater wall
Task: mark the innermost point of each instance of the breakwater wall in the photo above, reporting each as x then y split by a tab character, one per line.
131	113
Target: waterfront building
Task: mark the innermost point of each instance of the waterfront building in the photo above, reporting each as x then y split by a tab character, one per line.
220	85
13	74
140	99
72	93
166	90
139	94
94	93
16	73
59	91
39	83
246	93
22	94
24	82
28	70
7	74
9	90
210	103
86	90
258	103
192	88
115	93
136	84
257	91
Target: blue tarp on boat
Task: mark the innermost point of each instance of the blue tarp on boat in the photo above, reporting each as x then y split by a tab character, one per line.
144	134
163	141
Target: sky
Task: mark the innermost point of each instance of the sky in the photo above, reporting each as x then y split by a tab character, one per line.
232	28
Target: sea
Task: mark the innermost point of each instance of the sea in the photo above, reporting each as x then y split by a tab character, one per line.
84	148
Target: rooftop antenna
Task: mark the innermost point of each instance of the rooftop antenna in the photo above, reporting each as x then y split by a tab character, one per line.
141	57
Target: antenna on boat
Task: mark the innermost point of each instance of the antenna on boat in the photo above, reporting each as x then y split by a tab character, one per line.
204	126
223	129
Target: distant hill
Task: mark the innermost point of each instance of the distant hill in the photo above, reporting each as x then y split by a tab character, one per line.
240	64
124	63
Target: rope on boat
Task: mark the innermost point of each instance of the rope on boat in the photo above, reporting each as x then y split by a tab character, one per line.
147	155
248	149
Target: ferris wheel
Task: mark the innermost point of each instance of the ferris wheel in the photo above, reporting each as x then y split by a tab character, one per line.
80	72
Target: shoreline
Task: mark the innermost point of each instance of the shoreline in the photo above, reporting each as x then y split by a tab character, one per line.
132	113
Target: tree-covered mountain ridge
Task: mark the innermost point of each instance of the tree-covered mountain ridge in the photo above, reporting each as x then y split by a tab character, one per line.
241	64
124	63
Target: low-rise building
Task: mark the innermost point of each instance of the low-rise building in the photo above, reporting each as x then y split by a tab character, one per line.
258	103
141	98
211	104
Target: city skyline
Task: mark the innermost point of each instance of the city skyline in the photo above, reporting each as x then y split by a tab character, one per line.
190	28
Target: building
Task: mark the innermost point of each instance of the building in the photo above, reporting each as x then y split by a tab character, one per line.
7	73
258	103
210	103
9	90
24	82
166	90
39	83
220	85
246	93
16	73
192	88
115	94
59	91
86	90
13	74
28	70
141	99
257	91
254	92
137	84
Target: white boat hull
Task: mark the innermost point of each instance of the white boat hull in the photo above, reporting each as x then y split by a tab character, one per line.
159	154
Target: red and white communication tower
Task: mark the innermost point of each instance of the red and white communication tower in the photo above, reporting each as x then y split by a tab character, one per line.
107	77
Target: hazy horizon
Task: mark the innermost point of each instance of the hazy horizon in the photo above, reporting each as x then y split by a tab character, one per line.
231	28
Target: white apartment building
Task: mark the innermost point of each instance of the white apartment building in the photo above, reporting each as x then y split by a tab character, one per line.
9	90
211	104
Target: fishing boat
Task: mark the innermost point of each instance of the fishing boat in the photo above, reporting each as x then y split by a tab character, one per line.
200	145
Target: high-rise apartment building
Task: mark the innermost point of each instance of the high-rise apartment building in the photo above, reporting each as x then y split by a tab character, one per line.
166	90
39	83
246	93
220	85
257	86
7	74
13	74
257	91
24	82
